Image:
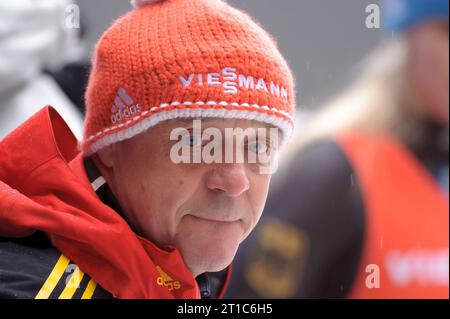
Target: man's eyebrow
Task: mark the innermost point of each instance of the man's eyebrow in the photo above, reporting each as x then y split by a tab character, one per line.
186	122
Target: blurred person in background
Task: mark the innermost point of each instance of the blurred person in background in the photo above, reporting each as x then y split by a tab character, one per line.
361	210
34	38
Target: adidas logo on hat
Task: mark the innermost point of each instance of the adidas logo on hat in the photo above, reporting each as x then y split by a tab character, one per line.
123	106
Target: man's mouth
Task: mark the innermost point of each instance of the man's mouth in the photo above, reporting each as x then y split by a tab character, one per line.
215	219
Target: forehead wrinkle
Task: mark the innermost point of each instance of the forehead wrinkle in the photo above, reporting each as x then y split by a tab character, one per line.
253	123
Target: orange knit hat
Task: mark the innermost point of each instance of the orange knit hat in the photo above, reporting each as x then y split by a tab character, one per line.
184	59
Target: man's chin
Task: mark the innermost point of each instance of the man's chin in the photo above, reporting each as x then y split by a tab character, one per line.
211	264
208	246
210	257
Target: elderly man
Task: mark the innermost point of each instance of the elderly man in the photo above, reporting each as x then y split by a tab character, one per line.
174	166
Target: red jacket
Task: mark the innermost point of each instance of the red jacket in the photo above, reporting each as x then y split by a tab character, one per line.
44	187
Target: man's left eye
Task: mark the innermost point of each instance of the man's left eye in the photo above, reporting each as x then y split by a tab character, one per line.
257	147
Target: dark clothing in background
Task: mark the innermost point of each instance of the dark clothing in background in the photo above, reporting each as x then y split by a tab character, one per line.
72	78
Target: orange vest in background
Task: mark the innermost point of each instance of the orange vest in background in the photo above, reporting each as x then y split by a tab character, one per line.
406	248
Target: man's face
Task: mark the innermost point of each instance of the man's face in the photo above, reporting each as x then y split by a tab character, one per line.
429	69
205	210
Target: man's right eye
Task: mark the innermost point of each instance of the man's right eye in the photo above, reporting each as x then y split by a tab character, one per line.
192	140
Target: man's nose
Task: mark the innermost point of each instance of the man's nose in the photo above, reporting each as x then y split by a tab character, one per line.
230	179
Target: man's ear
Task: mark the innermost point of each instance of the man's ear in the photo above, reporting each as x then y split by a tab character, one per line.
106	156
428	69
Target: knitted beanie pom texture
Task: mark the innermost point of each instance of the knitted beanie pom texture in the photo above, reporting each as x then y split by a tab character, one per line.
175	59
